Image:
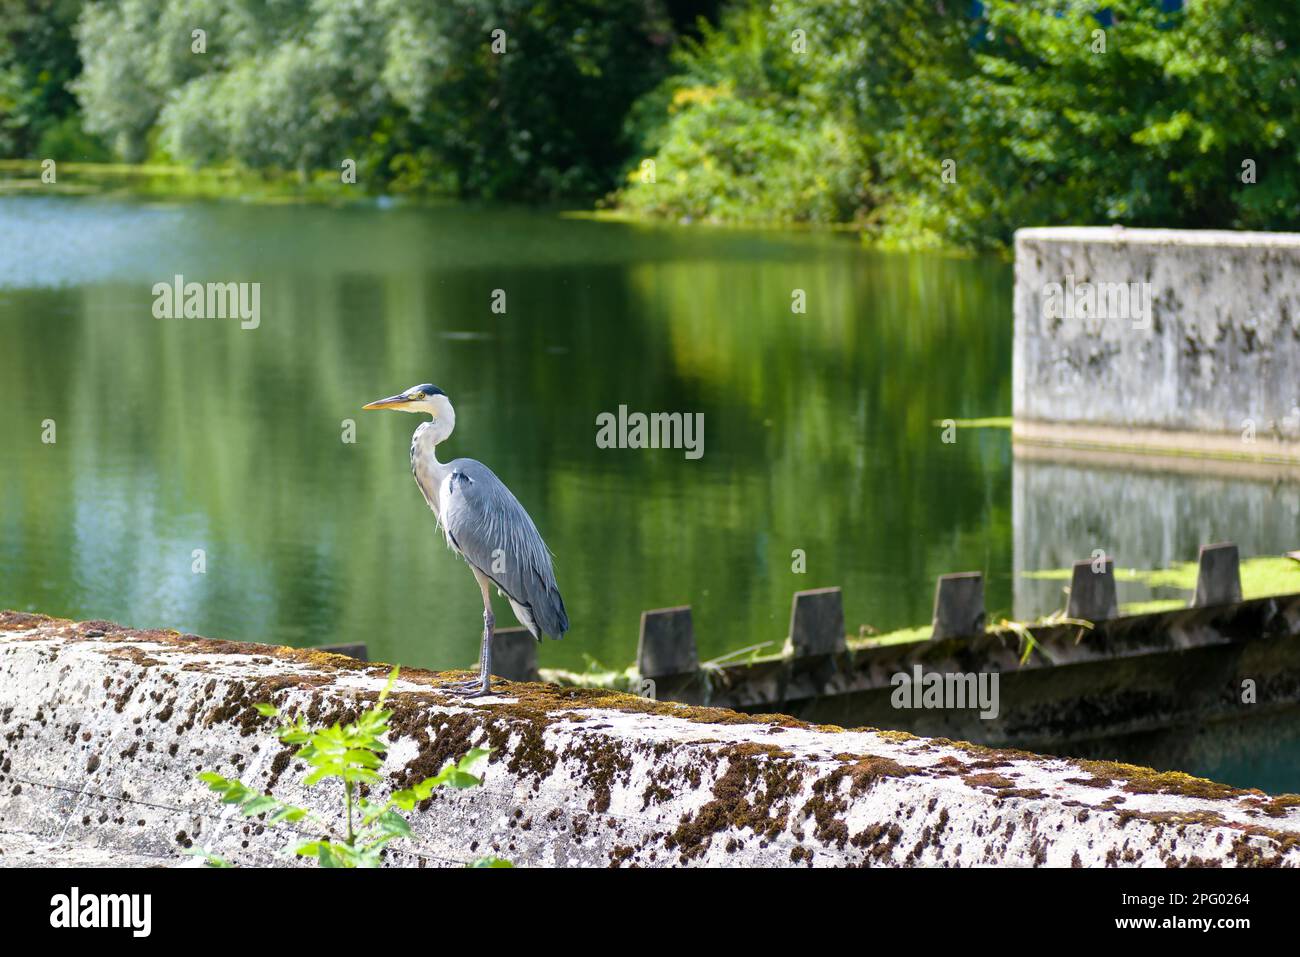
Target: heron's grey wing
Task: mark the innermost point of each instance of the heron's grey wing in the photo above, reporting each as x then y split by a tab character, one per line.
491	529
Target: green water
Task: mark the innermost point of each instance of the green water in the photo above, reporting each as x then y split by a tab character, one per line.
192	434
179	435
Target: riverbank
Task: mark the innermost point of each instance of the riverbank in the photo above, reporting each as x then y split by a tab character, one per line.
171	182
162	182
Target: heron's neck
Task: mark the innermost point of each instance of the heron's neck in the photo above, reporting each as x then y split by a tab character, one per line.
430	435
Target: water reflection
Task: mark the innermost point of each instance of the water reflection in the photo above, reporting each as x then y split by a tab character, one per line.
192	434
1142	517
820	431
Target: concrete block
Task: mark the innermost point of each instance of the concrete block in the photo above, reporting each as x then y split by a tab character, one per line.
817	622
1218	581
1092	593
514	654
1174	340
959	605
667	643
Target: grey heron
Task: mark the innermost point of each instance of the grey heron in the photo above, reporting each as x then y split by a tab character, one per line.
484	524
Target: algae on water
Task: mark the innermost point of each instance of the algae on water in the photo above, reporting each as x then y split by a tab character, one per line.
1260	577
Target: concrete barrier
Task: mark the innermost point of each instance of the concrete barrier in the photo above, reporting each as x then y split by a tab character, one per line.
1218	577
1092	591
958	605
104	728
1158	341
817	623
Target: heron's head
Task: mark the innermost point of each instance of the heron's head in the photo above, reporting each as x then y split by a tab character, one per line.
419	398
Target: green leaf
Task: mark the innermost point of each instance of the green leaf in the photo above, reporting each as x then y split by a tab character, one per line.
367	759
236	792
393	823
316	776
267	710
490	862
212	860
392	679
460	780
287	813
260	805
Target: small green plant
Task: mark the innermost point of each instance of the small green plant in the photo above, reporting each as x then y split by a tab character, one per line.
1027	643
351	754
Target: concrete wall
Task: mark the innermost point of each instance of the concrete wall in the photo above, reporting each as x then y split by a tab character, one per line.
1220	345
102	730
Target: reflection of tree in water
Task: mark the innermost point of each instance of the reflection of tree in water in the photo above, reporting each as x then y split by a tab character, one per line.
191	433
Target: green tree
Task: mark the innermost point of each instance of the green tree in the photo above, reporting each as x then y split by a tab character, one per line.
38	59
959	129
1143	117
802	106
414	90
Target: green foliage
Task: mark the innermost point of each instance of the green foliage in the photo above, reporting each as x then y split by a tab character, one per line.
793	104
734	160
733	138
67	139
1153	131
38	58
1043	125
410	89
542	119
1047	111
351	754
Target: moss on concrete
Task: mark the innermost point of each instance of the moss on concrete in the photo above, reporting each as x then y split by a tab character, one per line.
759	791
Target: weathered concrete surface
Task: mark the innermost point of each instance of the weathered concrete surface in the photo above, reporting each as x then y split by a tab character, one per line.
103	730
1220	347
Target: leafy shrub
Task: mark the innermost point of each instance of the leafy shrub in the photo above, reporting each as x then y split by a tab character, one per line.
351	754
1140	112
732	159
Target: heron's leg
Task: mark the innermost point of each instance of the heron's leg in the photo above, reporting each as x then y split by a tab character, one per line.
484	684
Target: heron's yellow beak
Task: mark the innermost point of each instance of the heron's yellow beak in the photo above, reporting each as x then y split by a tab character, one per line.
392	402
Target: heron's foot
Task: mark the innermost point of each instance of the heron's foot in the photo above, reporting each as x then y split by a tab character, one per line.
472	683
480	691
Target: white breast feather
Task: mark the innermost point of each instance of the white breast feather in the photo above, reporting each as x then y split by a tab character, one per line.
444	500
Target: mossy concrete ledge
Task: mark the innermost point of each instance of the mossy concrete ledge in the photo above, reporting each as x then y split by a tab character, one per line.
102	730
